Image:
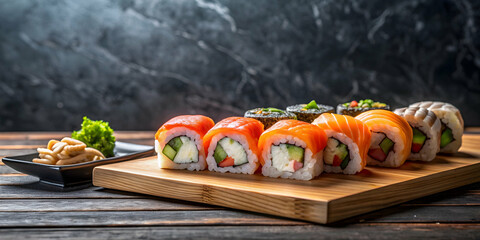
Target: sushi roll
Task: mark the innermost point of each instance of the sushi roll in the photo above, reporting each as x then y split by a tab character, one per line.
292	149
309	112
426	132
179	142
347	144
231	145
451	124
269	116
391	138
354	108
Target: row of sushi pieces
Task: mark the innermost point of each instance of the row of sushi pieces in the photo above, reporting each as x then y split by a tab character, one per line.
296	149
309	112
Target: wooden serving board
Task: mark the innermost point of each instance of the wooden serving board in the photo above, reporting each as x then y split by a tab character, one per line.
329	198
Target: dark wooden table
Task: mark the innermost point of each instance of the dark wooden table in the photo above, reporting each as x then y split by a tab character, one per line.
29	209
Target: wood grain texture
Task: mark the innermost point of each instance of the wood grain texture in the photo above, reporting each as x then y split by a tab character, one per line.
16	179
330	198
6	170
83	204
136	218
357	231
37	190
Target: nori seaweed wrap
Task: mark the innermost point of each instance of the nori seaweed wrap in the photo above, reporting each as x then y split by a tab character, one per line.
354	108
309	112
269	116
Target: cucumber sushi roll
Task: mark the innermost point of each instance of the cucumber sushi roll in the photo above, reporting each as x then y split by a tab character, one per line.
179	142
354	108
451	124
391	140
232	145
309	112
292	149
426	132
269	116
347	144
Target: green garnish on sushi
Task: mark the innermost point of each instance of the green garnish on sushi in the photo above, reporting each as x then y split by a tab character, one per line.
311	105
269	115
365	103
270	110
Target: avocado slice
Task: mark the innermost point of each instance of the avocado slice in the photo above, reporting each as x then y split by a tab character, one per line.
295	152
447	137
418	136
219	154
176	143
386	145
169	152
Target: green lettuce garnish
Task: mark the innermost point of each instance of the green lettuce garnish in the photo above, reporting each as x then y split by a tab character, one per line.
312	105
96	134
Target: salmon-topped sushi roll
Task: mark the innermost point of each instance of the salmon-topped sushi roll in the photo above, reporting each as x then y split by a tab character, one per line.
391	138
231	145
347	144
292	149
179	142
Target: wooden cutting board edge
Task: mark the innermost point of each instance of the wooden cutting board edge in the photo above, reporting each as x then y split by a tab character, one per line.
344	207
326	211
290	207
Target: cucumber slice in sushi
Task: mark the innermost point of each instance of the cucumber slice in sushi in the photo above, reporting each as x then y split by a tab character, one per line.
418	141
181	149
229	152
447	137
380	153
169	152
295	152
386	145
219	154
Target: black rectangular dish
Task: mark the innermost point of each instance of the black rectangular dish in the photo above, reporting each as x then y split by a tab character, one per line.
67	176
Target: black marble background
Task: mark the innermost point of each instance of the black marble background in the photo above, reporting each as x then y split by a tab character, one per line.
138	63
